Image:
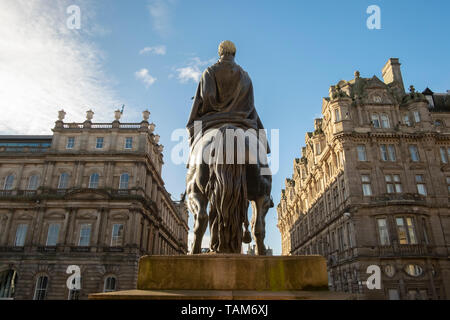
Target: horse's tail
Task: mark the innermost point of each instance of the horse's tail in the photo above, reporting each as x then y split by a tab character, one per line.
227	193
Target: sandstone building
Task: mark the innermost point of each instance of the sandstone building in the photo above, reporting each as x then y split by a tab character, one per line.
373	188
90	195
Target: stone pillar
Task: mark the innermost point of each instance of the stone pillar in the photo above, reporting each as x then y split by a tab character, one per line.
6	230
19	179
36	227
109	172
97	241
49	174
65	227
79	174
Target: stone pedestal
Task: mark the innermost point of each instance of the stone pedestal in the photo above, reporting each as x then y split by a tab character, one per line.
228	277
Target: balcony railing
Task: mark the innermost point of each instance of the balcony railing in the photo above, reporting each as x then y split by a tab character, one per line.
405	250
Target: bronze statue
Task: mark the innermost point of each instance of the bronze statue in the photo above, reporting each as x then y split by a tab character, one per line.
228	159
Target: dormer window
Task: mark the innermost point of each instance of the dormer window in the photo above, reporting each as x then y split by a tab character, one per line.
416	116
318	149
337	115
430	101
375	120
406	120
385	121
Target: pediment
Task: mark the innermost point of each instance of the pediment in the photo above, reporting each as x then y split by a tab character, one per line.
119	216
87	216
363	166
55	215
375	82
24	216
88	194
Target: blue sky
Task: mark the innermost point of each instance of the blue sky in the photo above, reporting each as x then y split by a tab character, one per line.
293	51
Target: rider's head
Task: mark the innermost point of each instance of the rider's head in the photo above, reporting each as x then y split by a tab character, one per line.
227	48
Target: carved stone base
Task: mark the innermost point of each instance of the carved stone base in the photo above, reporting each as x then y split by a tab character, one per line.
224	277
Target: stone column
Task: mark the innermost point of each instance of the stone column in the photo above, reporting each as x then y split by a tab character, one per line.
49	174
19	178
6	230
97	231
36	227
65	227
79	174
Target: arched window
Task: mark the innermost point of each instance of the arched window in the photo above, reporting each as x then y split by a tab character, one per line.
93	181
110	284
9	182
63	181
124	179
33	182
40	291
8	280
385	121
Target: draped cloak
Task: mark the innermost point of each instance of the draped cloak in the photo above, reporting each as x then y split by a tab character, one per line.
224	96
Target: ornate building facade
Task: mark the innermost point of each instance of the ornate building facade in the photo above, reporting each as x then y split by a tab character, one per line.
373	188
90	195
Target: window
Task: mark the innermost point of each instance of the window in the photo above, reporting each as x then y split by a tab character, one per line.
391	153
383	231
124	179
367	189
337	115
375	120
385	121
414	153
349	235
406	120
413	270
117	235
448	184
93	181
362	156
52	234
21	234
384	154
85	235
420	183
70	143
40	291
99	143
445	154
426	239
63	181
9	182
110	284
393	184
128	143
33	182
387	152
318	149
8	281
416	116
405	229
341	239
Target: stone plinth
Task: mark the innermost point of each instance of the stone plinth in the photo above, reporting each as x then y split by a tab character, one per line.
227	277
232	272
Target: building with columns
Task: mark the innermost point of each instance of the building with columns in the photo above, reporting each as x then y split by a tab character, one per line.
372	187
90	195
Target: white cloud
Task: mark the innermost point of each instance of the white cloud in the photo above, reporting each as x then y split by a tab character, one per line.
159	50
46	67
145	76
193	71
160	14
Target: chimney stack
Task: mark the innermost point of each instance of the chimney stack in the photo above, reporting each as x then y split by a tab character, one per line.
392	73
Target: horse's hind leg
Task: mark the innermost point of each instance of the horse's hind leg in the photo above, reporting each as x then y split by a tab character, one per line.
199	206
259	211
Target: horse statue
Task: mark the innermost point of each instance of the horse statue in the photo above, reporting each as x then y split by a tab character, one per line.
227	166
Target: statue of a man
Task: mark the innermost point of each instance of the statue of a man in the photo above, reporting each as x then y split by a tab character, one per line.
224	101
224	95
